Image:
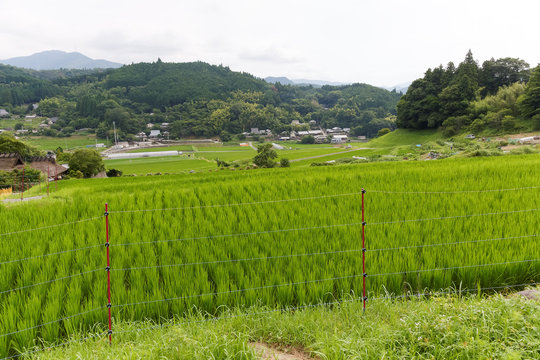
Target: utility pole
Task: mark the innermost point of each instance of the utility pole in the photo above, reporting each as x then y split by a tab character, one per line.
115	138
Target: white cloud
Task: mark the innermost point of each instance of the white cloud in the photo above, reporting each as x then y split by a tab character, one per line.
383	42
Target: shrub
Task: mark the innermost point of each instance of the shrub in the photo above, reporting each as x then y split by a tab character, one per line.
114	173
284	162
308	139
383	131
87	161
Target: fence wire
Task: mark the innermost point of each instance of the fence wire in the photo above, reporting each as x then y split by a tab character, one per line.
319	281
324	227
320	253
51	281
51	226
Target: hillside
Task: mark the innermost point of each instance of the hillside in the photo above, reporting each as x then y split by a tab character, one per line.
18	87
499	96
195	99
55	59
167	84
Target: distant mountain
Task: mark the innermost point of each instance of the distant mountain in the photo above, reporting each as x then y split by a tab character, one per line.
399	87
300	82
55	59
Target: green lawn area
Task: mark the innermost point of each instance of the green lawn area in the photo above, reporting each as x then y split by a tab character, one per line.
223	148
27	123
66	143
348	155
227	156
167	148
294	145
166	164
405	137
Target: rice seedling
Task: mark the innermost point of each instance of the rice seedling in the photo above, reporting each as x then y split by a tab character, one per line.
205	241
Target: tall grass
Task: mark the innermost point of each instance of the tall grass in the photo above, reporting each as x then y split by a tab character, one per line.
203	277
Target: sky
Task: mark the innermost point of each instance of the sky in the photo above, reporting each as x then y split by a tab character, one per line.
379	42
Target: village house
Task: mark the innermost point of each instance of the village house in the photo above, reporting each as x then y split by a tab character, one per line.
4	113
154	134
339	139
46	164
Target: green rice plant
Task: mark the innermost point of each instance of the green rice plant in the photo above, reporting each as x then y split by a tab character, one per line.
212	241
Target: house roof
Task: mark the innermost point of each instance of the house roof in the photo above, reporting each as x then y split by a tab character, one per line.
10	161
47	166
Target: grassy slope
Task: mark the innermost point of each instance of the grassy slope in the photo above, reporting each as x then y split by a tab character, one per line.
72	142
449	327
405	137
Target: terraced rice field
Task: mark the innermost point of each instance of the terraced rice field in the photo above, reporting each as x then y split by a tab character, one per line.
272	237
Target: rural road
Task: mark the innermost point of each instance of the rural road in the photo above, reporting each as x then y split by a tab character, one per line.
337	153
251	146
24	199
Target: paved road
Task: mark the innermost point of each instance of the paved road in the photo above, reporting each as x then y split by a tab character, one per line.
24	199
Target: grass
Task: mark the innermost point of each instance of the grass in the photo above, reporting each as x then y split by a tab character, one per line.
27	123
190	254
166	164
67	143
446	327
405	137
166	148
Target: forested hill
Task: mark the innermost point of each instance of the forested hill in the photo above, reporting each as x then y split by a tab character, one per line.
19	87
502	95
196	99
166	84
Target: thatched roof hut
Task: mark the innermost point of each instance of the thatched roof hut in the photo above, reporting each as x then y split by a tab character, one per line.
45	164
10	161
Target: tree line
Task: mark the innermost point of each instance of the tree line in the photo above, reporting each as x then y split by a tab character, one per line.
197	100
500	95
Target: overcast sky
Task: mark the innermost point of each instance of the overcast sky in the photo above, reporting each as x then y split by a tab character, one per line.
380	42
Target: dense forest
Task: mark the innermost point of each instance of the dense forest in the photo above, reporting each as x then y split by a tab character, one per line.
195	99
502	95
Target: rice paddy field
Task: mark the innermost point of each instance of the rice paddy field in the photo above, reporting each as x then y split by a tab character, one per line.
66	143
268	237
204	158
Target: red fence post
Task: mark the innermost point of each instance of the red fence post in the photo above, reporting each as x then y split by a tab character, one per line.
48	176
22	185
108	268
55	179
364	275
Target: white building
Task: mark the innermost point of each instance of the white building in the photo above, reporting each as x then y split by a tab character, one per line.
339	139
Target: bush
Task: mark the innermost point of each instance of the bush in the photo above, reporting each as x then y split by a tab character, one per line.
265	156
508	123
87	161
114	173
308	139
383	131
284	162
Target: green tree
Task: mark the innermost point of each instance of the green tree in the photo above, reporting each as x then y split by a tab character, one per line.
383	132
8	144
308	139
501	72
529	103
265	156
87	161
283	162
